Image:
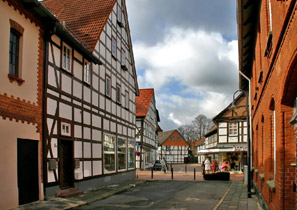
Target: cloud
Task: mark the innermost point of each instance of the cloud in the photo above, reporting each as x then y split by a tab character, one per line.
151	19
193	58
187	51
178	110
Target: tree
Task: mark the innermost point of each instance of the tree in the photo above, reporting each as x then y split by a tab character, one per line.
197	129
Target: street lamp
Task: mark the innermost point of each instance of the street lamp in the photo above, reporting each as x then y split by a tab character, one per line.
233	105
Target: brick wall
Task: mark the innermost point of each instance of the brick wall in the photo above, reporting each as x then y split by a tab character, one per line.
276	86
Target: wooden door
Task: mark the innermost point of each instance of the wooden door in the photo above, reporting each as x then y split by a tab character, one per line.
27	164
66	169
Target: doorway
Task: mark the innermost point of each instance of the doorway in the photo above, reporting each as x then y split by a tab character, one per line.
66	169
27	165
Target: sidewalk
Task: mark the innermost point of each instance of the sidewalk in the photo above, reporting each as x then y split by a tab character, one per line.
236	198
56	203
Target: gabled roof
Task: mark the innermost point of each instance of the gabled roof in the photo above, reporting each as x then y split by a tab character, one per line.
163	136
143	102
84	18
228	107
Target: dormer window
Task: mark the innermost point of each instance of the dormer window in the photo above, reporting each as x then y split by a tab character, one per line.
66	58
87	72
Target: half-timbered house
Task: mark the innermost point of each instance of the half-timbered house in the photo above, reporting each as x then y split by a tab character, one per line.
173	147
21	76
147	118
227	140
90	94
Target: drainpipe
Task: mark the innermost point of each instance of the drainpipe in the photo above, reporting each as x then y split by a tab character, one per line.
250	144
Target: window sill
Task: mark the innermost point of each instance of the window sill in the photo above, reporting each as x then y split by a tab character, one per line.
14	78
87	84
67	71
271	184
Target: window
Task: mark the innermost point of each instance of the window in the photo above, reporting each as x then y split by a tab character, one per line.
233	130
113	47
127	100
119	17
108	86
123	60
87	72
14	44
131	154
118	94
168	148
178	138
109	153
122	154
66	58
65	129
172	138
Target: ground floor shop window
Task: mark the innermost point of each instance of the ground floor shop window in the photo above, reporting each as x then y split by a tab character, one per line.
109	153
131	154
122	154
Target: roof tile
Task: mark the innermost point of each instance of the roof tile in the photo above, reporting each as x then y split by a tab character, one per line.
143	102
85	19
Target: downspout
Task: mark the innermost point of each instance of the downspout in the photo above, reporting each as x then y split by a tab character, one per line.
250	119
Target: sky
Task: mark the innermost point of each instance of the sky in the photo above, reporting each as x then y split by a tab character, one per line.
186	50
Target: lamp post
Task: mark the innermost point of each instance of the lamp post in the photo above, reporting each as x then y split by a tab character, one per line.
248	137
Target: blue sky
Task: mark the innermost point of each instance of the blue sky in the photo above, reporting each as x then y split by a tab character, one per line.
187	51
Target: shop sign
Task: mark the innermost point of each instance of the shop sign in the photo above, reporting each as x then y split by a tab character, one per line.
238	149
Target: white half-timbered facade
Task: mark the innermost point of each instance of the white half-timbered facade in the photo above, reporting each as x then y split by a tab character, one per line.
173	147
227	140
147	118
90	94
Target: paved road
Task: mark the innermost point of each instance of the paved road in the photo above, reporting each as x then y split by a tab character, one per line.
166	195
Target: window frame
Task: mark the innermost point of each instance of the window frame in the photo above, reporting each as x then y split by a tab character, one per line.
107	77
118	93
231	128
179	139
131	154
113	47
127	99
125	153
17	35
64	45
66	123
89	70
106	152
172	138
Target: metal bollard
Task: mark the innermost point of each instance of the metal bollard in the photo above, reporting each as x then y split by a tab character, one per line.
194	173
171	173
152	176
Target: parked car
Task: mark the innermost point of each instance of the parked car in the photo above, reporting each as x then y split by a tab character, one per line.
157	165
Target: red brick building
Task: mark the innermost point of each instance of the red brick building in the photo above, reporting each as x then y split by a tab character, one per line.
268	57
